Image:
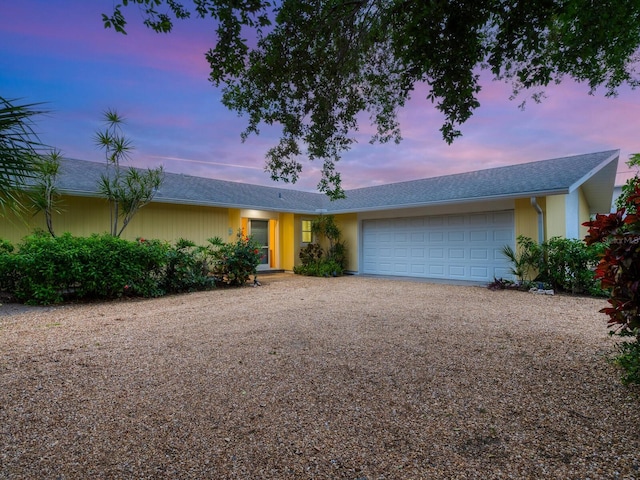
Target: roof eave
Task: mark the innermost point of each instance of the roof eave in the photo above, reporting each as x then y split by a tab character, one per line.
174	201
455	201
598	184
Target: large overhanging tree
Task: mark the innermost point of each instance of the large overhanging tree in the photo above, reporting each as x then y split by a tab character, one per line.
313	67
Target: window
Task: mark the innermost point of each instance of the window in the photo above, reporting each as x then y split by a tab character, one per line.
306	231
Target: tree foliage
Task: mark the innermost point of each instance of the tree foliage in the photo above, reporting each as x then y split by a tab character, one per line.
127	189
19	149
629	187
314	67
619	267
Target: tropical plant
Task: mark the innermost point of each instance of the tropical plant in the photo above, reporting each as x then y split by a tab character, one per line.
19	150
619	273
311	253
235	263
525	259
325	227
619	267
45	193
130	189
187	268
563	264
319	262
318	67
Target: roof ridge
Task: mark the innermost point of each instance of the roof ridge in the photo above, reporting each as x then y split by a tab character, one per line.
492	169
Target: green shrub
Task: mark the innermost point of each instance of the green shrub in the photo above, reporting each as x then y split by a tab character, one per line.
628	359
322	268
315	261
312	253
560	263
234	263
100	266
570	265
338	254
187	268
49	269
8	267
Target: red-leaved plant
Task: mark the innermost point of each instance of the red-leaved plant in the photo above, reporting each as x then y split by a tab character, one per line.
619	267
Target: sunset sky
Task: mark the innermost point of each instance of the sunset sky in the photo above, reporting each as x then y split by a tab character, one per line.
57	51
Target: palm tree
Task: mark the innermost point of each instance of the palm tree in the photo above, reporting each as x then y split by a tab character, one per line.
19	145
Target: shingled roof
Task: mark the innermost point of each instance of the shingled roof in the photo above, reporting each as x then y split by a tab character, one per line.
595	172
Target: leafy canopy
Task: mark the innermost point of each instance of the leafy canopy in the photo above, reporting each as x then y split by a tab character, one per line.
20	150
314	67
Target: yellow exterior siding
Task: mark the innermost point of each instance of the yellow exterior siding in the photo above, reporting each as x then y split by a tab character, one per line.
348	224
526	217
78	216
171	222
555	216
583	212
83	216
286	234
297	236
235	224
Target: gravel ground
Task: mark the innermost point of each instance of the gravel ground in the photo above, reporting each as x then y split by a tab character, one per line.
341	378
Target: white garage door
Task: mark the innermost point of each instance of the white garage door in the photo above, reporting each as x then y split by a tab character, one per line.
461	247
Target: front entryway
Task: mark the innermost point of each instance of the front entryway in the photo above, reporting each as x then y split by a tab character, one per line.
259	230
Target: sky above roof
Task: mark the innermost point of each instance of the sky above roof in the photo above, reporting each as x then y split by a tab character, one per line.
57	51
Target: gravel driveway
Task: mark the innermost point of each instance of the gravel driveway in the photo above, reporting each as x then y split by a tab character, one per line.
301	378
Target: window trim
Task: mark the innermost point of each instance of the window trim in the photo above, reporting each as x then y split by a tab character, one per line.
303	232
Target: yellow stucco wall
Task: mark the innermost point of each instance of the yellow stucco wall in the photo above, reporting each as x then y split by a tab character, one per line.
286	228
583	212
85	216
526	217
171	222
555	216
235	223
297	236
348	224
77	215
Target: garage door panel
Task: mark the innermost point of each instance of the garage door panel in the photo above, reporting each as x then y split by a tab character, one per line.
455	236
455	220
417	270
479	220
502	273
436	270
436	237
401	268
502	217
454	246
478	236
479	272
503	235
478	254
456	271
